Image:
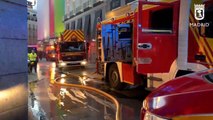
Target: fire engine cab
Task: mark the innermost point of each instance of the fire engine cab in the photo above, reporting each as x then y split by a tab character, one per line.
152	41
71	49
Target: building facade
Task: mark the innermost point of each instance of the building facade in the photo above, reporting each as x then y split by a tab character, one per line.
84	15
32	26
43	19
13	62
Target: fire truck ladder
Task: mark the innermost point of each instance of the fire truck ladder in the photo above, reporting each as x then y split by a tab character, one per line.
100	64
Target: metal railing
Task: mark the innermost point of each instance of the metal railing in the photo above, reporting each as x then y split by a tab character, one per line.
32	18
92	2
86	4
79	9
65	17
72	13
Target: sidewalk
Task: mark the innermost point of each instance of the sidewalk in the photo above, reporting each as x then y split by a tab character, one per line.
32	77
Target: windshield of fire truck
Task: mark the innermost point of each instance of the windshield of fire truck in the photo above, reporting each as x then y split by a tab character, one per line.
72	47
51	52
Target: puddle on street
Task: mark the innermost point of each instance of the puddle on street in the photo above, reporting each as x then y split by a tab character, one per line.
68	103
79	104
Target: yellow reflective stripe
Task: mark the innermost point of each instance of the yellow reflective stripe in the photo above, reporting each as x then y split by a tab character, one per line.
32	57
207	49
195	117
69	33
201	42
201	48
66	36
66	32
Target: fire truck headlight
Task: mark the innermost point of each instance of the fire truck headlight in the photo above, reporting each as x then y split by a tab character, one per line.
84	63
63	75
62	80
63	64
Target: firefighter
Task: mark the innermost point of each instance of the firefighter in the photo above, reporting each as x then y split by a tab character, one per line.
33	61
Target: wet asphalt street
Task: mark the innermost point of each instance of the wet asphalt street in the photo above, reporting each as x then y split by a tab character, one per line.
49	101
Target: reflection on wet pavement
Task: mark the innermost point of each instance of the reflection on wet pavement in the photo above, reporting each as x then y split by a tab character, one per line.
63	102
80	80
78	104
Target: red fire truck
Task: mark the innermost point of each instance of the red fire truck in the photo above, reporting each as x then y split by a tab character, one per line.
152	41
50	53
71	49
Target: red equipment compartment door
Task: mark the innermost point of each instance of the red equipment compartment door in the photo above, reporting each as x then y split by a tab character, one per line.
157	40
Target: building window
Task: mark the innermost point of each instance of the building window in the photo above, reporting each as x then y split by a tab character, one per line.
87	27
67	26
33	28
115	3
29	26
73	25
79	24
128	1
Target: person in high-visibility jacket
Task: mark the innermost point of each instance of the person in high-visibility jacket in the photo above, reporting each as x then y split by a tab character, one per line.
33	60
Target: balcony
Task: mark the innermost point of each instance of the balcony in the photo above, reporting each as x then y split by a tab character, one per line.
97	2
72	13
79	10
32	18
69	15
82	8
91	3
66	17
86	6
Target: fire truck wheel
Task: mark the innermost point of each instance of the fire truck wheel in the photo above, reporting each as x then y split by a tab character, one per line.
83	67
114	78
56	64
60	69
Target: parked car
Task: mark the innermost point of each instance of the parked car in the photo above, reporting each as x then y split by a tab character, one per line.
189	95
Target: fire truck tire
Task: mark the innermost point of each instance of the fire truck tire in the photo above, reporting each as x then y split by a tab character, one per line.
56	64
83	67
60	68
114	78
